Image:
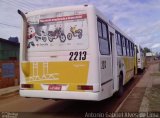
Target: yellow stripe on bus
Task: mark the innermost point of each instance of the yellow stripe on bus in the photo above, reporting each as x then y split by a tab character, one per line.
70	73
129	67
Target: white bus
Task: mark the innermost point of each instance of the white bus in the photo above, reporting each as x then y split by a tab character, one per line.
73	52
140	59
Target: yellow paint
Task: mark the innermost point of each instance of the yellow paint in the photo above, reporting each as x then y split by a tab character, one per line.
26	68
71	73
129	67
135	59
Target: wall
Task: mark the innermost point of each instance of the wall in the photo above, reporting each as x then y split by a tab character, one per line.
9	73
9	50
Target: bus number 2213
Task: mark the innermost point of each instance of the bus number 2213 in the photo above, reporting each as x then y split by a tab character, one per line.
74	56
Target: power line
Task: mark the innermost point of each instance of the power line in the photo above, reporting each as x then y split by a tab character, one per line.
4	33
30	5
13	5
9	25
19	4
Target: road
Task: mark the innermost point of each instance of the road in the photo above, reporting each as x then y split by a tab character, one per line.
14	103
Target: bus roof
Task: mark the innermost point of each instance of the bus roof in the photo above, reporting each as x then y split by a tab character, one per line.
57	9
78	7
110	23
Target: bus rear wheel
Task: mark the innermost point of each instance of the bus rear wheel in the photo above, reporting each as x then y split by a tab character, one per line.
140	71
120	91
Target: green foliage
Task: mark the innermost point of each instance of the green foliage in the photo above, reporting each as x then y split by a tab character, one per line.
146	50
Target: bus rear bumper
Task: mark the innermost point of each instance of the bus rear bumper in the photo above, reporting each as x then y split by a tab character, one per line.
61	95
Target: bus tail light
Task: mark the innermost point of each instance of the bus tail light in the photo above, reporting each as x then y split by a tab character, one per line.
26	85
85	87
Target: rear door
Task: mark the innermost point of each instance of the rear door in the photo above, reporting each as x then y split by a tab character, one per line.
105	52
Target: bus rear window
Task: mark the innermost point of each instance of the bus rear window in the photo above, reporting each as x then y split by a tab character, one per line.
58	31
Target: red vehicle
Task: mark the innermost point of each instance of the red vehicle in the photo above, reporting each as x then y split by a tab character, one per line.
57	33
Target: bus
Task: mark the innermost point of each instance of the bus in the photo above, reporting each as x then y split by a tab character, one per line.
140	59
73	52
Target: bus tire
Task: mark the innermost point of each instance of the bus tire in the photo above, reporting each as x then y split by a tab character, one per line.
140	71
120	91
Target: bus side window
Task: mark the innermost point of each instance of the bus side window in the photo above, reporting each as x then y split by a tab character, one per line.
103	38
110	40
132	49
124	46
117	39
99	29
128	48
104	29
119	44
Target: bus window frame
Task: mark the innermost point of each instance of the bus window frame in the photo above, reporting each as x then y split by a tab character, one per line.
124	46
128	49
119	43
132	49
99	20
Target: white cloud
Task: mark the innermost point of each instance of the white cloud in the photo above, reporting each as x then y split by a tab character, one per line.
156	45
137	18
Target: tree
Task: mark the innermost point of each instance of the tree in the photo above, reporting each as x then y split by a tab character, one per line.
146	50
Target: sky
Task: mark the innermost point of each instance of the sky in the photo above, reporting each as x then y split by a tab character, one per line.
140	19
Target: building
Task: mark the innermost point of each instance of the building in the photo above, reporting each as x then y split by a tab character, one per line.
150	56
13	39
9	50
9	63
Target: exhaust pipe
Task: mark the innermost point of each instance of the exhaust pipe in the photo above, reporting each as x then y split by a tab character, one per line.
25	26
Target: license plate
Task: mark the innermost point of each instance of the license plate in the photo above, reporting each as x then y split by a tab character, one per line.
54	87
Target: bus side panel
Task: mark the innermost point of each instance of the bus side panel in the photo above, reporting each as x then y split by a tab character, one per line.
93	77
105	59
135	60
129	68
105	68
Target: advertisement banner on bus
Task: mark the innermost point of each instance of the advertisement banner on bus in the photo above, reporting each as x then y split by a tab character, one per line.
58	31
